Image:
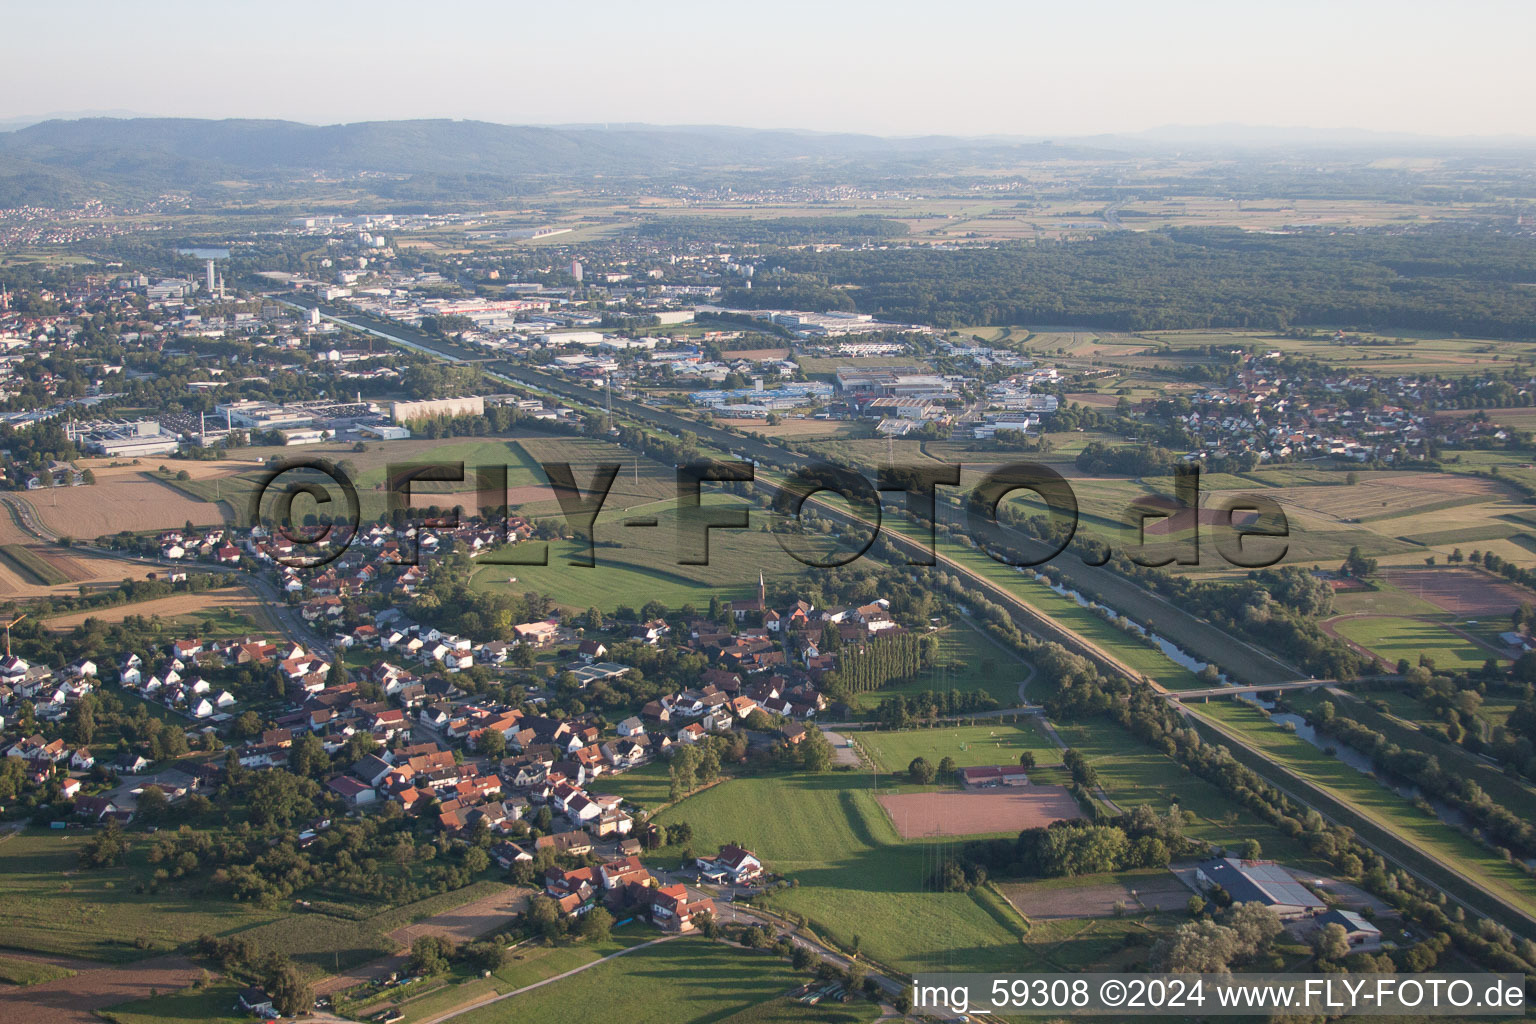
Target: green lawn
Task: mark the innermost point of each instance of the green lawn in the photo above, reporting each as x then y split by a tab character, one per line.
648	785
1393	638
530	964
675	982
969	745
1374	801
855	875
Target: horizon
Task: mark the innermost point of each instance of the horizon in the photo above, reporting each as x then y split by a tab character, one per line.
1230	134
1425	71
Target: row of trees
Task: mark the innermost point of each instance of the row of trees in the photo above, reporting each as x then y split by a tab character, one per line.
877	661
901	711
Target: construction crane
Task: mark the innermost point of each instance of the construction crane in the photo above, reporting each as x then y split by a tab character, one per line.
8	626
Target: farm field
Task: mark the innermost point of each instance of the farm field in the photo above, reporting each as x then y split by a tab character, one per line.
30	970
226	486
1394	637
1374	801
212	1005
321	943
75	1000
76	567
474	916
856	875
53	907
120	502
1402	352
29	565
233	605
674	982
969	745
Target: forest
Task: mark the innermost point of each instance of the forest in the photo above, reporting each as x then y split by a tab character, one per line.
1439	279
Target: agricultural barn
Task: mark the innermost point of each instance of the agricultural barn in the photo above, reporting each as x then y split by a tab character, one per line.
1259	881
1362	934
988	776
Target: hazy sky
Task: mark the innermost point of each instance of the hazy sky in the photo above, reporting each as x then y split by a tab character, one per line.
894	67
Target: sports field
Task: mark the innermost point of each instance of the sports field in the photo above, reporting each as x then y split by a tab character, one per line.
1004	811
968	745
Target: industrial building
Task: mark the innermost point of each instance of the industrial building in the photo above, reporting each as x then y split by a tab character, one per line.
404	413
894	382
125	439
255	415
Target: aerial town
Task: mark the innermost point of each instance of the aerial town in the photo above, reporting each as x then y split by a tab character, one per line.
455	570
